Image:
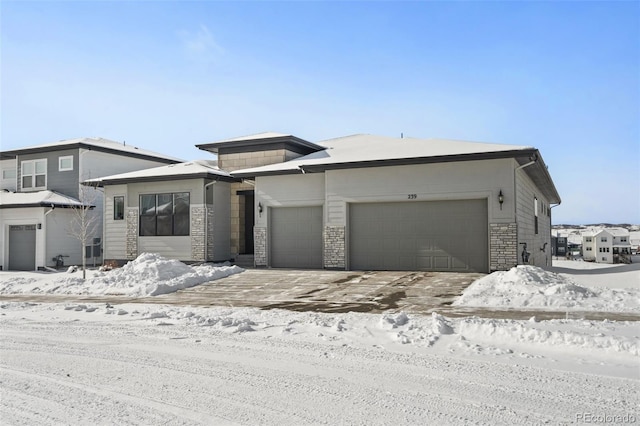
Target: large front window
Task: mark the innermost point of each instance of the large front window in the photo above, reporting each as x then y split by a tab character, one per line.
34	174
164	214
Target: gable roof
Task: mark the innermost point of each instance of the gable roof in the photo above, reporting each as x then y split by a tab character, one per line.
363	150
92	144
37	199
206	169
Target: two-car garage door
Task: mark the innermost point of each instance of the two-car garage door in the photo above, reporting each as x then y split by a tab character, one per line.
423	235
426	235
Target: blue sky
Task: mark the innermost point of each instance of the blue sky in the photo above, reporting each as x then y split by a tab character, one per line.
561	76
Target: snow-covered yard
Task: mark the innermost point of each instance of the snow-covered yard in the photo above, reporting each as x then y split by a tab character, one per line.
153	364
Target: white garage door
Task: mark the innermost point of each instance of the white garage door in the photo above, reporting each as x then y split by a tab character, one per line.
426	236
22	247
296	237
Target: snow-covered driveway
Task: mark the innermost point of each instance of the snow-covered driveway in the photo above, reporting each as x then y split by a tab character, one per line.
97	365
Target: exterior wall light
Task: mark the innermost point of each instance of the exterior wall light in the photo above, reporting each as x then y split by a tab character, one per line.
260	209
501	199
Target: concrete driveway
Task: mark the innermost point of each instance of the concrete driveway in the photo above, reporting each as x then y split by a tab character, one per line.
333	291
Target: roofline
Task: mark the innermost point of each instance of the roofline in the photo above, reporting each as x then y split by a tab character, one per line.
215	146
314	168
45	204
122	181
541	173
6	155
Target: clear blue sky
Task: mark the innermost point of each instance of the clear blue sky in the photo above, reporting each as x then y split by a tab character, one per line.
561	76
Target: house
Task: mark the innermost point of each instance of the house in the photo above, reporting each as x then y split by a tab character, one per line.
610	245
180	211
373	202
41	191
559	245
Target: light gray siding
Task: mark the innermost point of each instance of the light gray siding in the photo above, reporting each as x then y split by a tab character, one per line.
59	239
526	195
115	231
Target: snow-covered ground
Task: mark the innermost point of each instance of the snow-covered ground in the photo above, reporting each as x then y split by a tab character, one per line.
153	364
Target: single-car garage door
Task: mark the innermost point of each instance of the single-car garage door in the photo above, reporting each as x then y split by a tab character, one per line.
425	235
22	247
296	237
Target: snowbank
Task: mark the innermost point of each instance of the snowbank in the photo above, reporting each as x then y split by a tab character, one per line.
526	286
148	275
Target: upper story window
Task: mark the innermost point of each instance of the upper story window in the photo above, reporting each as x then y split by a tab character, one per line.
623	239
34	174
65	163
164	214
588	239
603	239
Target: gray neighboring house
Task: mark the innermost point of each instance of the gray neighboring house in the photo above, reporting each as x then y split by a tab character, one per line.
41	188
180	211
370	202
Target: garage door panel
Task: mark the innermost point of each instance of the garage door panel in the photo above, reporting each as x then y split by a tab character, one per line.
296	237
22	247
428	235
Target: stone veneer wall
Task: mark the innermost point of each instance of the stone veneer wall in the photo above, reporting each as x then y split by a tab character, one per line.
334	247
503	246
210	233
132	234
260	246
198	240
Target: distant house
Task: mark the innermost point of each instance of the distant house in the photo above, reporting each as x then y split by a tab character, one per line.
180	211
372	202
559	246
41	188
610	245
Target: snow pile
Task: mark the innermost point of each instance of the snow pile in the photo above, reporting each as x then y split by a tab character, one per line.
148	275
527	286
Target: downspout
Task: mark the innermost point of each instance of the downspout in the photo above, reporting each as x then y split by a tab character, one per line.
515	198
206	218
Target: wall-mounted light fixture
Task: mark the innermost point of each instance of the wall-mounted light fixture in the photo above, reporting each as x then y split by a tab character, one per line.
260	209
501	199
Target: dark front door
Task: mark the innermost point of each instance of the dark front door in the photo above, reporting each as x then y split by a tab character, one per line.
249	219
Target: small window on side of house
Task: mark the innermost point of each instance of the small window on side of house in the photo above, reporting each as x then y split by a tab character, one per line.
65	163
118	207
535	212
9	174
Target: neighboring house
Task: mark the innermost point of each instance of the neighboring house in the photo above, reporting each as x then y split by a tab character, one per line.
371	202
610	245
41	188
180	211
559	246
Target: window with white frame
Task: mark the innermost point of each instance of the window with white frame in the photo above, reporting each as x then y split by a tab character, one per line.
65	163
623	239
603	239
34	174
588	239
535	212
589	248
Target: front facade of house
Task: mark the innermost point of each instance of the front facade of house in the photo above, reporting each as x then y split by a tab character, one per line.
368	202
180	211
41	191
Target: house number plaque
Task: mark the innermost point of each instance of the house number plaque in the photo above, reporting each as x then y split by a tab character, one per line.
412	196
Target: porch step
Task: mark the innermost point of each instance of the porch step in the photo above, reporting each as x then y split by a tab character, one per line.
244	261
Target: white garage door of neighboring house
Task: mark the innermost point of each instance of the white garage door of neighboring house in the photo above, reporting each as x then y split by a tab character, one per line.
426	235
22	247
296	237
